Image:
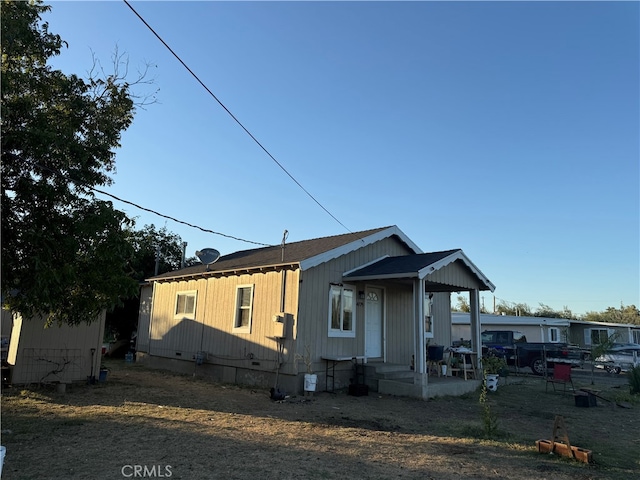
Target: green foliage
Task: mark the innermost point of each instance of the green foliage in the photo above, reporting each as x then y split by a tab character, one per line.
489	417
463	304
634	380
146	244
150	242
515	309
492	364
548	312
65	253
624	314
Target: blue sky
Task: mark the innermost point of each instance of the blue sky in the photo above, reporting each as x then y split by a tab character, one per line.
507	129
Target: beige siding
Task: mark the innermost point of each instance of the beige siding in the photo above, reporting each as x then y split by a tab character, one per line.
144	318
400	327
314	302
441	319
54	354
455	274
212	329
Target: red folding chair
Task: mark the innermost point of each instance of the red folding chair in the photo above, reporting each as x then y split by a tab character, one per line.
561	376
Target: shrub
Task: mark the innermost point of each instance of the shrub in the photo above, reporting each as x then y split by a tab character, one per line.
634	380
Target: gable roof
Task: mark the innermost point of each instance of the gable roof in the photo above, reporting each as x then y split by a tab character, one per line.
417	266
304	254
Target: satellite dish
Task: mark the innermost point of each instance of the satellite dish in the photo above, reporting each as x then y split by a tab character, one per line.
208	255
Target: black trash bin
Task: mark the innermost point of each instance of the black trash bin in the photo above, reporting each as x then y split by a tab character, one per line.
435	353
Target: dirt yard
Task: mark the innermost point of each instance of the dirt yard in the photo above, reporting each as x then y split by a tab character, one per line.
149	424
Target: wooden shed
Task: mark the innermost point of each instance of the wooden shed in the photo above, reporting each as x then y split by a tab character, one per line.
63	354
253	315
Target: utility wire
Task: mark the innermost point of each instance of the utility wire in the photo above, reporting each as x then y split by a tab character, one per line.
97	190
175	219
233	116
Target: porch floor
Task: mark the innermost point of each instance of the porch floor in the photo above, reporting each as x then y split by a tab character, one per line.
402	381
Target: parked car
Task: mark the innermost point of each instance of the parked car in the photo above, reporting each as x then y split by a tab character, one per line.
619	358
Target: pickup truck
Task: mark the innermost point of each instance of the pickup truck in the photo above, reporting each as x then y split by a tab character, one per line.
513	346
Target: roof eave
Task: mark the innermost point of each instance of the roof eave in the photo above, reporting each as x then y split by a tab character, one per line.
390	276
230	271
355	245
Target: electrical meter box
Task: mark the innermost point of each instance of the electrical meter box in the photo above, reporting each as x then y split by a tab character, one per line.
280	325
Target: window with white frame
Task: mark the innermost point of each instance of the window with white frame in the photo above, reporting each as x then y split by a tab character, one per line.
244	308
636	336
186	304
342	314
554	334
428	315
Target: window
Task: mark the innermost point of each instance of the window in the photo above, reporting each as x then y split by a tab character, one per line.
428	315
554	334
186	304
342	321
636	336
244	308
597	336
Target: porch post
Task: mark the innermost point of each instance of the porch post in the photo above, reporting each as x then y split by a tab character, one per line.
476	339
420	348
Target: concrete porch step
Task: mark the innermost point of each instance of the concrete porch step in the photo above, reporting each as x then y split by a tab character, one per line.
388	371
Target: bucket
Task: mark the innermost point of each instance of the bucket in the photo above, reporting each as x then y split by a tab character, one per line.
310	381
492	382
443	369
128	357
199	358
103	376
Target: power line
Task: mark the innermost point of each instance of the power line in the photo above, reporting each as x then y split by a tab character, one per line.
233	116
206	230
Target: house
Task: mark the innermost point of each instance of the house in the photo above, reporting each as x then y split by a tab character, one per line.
555	330
63	354
536	329
589	334
251	316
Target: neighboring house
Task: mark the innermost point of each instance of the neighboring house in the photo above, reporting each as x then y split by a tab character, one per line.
536	329
62	354
250	316
589	334
541	329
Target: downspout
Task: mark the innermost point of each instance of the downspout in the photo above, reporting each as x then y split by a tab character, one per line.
284	273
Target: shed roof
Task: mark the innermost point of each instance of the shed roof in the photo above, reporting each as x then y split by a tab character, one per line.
304	254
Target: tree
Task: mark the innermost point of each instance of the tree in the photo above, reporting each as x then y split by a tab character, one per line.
515	309
462	305
65	254
153	248
624	314
548	312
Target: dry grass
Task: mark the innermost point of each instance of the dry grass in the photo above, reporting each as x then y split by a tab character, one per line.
188	428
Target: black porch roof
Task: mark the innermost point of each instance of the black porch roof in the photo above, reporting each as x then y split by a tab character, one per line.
420	265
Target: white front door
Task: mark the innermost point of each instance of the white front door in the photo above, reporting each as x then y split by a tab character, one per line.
373	323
